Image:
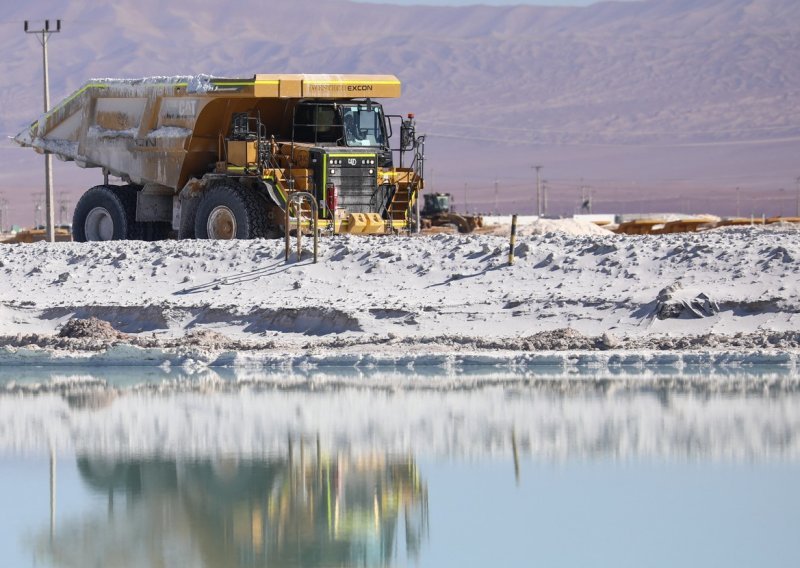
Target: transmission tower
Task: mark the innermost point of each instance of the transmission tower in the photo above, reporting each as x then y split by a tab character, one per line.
586	199
38	208
4	225
797	212
64	207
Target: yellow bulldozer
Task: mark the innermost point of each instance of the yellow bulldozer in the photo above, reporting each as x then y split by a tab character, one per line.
438	212
216	158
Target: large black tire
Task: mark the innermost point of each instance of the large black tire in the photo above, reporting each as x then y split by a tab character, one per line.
188	214
117	205
239	213
155	231
104	214
140	230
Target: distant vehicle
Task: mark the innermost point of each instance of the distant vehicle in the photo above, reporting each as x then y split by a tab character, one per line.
37	234
438	212
220	158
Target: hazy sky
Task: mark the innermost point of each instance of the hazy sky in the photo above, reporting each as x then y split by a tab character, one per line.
493	2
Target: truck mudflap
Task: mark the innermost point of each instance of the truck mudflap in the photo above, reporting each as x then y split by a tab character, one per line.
274	192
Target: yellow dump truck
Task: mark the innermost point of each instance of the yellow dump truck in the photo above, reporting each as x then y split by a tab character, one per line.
218	158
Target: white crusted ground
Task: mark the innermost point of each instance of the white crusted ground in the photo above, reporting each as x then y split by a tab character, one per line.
400	298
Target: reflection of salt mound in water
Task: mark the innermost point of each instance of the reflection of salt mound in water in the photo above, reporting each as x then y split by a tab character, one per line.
717	418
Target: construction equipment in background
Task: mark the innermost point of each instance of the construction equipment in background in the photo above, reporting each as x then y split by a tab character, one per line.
660	226
219	158
438	212
62	235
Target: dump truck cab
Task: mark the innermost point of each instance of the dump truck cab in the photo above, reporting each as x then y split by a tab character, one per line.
337	151
345	144
343	123
225	158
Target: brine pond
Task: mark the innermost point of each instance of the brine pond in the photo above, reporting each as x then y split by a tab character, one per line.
345	467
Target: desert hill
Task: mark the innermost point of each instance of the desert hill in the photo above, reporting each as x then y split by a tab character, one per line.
685	95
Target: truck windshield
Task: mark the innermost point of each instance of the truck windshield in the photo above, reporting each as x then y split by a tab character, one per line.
363	125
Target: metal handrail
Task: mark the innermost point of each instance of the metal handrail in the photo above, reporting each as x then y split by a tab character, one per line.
418	165
296	198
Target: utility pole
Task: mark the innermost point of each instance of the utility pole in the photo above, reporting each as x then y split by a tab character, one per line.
48	158
495	196
797	212
465	197
52	494
738	202
3	213
538	191
544	197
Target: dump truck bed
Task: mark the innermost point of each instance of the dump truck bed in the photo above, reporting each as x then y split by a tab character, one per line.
164	130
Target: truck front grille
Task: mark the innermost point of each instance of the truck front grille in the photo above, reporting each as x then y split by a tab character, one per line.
357	187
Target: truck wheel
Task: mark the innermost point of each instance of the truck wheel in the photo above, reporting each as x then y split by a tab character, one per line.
231	211
127	195
101	215
188	214
155	231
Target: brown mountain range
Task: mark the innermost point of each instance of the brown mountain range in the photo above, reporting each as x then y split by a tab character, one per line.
659	104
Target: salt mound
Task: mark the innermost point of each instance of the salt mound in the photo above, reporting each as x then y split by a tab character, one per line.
543	226
567	226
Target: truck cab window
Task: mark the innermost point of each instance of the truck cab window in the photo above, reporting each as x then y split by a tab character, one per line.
363	125
314	123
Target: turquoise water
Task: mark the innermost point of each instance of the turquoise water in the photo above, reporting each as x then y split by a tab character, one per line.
695	492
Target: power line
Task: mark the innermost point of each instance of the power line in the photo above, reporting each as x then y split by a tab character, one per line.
626	145
584	131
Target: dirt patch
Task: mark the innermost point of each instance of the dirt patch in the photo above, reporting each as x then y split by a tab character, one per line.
90	328
128	319
308	321
206	339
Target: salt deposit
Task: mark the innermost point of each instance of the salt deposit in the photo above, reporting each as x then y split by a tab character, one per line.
446	298
528	225
540	226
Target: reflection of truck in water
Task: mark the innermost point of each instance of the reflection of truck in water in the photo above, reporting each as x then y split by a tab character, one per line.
219	158
438	212
301	510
